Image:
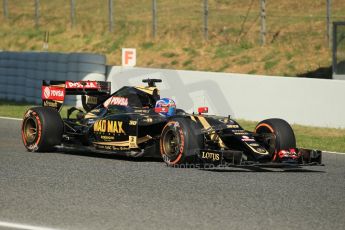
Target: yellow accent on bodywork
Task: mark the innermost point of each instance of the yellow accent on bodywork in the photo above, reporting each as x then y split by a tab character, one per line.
193	118
265	153
90	115
123	143
148	90
214	136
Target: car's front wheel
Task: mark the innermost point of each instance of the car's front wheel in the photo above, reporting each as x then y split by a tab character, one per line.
283	135
180	141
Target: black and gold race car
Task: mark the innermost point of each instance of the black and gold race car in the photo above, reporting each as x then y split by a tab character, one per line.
130	122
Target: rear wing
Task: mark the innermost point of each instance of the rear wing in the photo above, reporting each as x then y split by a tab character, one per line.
93	92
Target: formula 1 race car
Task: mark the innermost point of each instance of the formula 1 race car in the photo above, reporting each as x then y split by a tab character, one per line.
135	121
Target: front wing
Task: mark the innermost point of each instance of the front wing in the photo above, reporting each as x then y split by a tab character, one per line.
307	157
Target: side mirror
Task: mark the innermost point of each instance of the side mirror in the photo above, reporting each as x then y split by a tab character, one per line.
202	110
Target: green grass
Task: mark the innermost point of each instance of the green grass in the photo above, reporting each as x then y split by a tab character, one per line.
298	32
13	109
223	67
17	109
147	45
244	60
307	137
190	51
288	56
270	64
187	63
174	62
253	71
169	55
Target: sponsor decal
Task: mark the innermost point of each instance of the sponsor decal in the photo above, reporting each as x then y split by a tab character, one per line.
147	119
82	85
53	93
116	101
91	100
90	121
291	153
240	133
132	122
181	140
107	126
107	137
261	150
120	148
233	126
141	111
210	156
176	124
133	142
46	92
161	109
28	113
113	148
53	104
248	139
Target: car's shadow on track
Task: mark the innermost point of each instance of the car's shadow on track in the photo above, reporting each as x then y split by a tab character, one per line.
259	169
242	169
108	156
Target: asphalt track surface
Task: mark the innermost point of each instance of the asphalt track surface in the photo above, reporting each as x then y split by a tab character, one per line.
73	191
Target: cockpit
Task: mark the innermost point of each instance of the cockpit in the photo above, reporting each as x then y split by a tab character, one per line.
133	97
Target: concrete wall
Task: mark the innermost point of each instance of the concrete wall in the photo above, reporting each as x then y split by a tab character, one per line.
338	76
304	101
315	102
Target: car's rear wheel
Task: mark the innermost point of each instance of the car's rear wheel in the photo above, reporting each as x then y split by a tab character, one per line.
283	135
180	141
42	129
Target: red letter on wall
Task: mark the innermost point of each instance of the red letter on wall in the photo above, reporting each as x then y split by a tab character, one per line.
128	57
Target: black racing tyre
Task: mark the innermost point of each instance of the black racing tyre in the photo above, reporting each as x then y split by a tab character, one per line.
42	129
180	141
284	135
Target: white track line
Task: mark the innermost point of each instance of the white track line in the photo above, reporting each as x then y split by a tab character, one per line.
334	152
23	226
11	118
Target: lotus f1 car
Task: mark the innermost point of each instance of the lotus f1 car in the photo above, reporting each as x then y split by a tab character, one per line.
134	122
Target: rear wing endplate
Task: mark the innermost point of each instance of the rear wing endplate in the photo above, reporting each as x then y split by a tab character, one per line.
93	92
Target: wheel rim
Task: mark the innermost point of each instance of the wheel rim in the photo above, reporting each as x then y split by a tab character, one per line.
30	130
171	144
270	145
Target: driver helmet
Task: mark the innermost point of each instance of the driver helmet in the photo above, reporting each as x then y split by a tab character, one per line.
166	107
